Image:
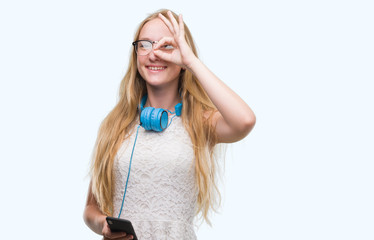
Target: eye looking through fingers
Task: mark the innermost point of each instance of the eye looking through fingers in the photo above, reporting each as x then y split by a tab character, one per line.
166	43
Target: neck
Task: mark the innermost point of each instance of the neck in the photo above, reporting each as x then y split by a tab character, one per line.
163	99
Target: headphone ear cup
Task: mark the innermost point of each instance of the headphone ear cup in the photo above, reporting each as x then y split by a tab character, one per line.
158	117
145	118
155	119
164	119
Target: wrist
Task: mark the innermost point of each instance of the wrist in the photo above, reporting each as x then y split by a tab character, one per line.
193	64
100	221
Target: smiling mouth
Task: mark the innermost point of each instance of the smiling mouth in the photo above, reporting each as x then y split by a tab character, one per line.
156	68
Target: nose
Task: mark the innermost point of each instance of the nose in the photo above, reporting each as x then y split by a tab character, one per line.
152	56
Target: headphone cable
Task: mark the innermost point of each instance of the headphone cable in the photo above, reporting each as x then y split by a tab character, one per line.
128	174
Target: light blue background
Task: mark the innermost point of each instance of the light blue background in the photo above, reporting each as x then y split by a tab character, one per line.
305	68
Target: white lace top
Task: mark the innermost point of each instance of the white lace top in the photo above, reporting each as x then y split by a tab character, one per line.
161	195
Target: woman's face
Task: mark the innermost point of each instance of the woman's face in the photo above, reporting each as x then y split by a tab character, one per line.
156	72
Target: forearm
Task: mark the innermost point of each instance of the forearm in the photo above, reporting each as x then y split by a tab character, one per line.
234	110
94	218
92	215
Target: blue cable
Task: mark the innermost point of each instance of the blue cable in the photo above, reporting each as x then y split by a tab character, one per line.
128	174
171	119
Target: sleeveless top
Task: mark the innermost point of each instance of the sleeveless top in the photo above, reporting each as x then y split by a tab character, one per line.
161	197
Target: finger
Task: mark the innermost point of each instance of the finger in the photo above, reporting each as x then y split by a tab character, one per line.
163	55
115	235
181	24
167	23
174	22
118	234
165	40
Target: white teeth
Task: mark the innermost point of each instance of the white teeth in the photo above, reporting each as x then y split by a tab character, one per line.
156	68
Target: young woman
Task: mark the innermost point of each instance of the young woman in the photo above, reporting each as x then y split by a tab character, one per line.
173	167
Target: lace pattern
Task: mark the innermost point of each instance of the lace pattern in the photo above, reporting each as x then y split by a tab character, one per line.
161	194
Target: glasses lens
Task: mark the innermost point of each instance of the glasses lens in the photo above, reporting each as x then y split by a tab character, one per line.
143	47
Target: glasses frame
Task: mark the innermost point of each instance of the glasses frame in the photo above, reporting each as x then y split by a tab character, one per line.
136	49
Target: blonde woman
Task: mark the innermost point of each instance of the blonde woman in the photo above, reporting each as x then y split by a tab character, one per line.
173	168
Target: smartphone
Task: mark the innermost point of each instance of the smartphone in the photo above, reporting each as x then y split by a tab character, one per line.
121	225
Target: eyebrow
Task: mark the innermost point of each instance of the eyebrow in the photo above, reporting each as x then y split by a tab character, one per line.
148	39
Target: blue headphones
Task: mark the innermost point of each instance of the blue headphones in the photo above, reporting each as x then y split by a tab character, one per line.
156	119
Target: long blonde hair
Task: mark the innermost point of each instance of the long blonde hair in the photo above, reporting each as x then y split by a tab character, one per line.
117	124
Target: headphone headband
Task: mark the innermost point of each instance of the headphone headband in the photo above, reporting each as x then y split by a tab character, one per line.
177	111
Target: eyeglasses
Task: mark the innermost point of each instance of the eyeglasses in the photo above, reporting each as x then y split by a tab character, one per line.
144	47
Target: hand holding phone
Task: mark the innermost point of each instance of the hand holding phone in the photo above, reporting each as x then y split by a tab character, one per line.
121	225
